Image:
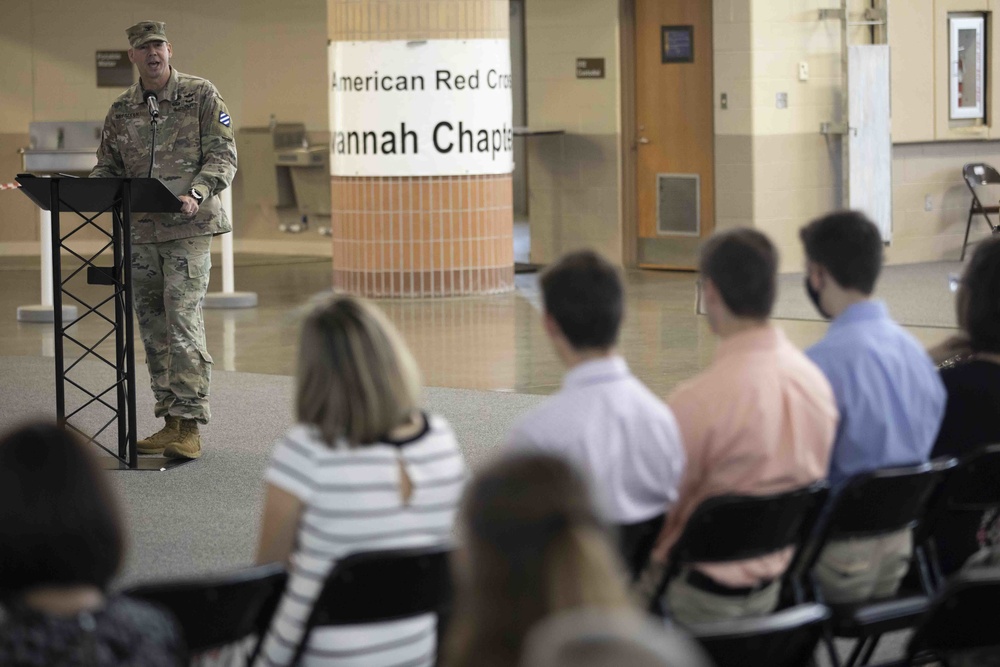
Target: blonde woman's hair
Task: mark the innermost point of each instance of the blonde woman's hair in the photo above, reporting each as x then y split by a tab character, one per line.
356	379
535	546
603	638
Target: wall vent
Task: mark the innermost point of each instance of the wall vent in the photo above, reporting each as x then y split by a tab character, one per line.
678	204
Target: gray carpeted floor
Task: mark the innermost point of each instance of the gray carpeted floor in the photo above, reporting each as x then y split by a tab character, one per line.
204	516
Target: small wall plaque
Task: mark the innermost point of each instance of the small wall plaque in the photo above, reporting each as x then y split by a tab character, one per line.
590	68
677	43
113	69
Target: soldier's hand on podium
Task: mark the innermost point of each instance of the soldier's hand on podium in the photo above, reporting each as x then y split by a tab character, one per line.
189	205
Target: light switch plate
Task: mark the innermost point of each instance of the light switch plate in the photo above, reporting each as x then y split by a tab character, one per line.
781	100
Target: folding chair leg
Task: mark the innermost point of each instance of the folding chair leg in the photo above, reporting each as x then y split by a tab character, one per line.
924	569
831	648
867	656
935	564
860	646
968	225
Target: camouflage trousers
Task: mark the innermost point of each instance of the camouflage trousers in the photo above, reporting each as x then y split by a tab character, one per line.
169	282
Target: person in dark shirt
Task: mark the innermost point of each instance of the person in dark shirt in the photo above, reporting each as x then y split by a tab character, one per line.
61	542
971	376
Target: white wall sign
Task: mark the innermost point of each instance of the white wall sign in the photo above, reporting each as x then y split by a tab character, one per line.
431	108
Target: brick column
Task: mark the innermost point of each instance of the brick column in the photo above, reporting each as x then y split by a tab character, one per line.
421	236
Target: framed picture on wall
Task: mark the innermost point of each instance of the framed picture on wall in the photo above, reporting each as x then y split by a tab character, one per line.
677	43
967	51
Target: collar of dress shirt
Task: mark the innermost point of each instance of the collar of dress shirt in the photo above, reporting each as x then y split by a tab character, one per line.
758	339
862	311
603	369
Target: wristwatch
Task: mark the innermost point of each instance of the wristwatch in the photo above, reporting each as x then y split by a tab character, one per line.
197	195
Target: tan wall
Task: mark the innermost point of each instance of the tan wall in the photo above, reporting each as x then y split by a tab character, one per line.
265	58
912	63
796	171
733	77
573	180
930	175
773	168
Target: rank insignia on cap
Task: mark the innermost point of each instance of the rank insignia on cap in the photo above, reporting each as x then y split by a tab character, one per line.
224	119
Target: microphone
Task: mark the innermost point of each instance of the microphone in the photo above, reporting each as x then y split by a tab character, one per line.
151	103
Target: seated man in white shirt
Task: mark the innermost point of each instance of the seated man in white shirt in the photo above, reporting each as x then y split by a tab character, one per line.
604	420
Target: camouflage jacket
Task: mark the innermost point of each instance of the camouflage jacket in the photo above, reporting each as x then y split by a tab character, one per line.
195	148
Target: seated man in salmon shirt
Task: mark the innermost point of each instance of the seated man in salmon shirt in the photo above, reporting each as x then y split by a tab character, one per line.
761	419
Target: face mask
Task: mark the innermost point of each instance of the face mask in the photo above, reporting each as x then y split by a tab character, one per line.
814	297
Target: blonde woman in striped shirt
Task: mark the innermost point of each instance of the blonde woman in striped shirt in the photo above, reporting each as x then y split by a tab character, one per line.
363	469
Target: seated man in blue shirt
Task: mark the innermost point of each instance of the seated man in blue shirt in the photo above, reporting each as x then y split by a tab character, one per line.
890	397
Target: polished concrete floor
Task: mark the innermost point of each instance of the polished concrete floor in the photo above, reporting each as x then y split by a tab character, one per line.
494	343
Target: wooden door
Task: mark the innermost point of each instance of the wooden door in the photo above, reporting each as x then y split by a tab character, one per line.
674	131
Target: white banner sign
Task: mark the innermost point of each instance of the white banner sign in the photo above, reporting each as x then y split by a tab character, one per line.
439	107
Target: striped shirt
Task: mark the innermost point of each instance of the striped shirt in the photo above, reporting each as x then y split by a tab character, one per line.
353	503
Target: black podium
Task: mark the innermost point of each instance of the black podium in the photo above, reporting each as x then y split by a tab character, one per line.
97	196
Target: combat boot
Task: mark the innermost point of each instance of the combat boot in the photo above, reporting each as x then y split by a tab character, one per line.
155	443
187	445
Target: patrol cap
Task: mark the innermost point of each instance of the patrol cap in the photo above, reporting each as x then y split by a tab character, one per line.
146	31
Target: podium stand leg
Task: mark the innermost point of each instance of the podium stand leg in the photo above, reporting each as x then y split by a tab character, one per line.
42	312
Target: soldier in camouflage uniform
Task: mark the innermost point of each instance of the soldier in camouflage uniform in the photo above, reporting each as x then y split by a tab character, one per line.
195	159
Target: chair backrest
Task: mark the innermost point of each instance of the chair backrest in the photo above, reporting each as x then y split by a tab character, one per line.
636	540
787	638
379	586
729	528
884	501
221	609
964	616
979	173
972	486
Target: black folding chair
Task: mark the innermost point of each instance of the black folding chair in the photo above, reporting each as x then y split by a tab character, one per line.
972	488
636	540
964	617
979	173
786	638
380	586
220	609
733	528
872	504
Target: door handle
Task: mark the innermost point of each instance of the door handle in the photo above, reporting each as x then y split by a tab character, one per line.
643	140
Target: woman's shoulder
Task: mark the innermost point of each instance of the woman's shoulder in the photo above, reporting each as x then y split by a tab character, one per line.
972	374
302	442
437	434
149	633
140	632
132	611
436	440
438	425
